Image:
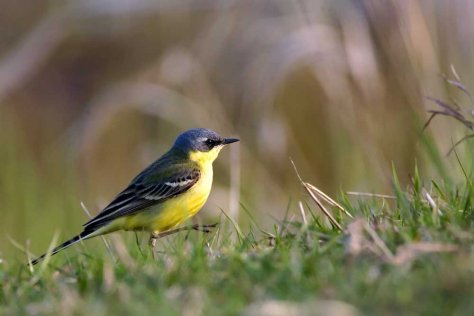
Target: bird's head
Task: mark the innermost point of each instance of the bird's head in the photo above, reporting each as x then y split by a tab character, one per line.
203	145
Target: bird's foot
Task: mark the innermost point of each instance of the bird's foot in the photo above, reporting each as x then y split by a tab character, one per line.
204	228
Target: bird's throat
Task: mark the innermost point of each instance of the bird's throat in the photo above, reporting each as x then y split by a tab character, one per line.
204	159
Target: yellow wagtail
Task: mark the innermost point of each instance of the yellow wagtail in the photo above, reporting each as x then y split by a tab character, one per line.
168	192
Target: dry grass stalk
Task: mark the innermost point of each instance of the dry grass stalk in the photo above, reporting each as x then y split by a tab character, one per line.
359	242
321	206
311	191
409	252
330	201
375	195
303	214
431	202
452	109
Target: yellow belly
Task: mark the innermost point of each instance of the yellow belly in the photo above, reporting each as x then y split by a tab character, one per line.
174	211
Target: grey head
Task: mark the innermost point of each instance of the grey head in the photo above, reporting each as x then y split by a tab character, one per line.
201	139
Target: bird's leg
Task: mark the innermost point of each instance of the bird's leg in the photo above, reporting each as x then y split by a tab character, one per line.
152	241
202	228
157	235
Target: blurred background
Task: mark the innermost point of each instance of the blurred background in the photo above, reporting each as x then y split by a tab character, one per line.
93	91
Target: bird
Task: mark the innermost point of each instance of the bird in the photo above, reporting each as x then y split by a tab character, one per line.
165	194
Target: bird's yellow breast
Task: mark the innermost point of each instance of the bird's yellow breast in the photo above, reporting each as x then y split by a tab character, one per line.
178	209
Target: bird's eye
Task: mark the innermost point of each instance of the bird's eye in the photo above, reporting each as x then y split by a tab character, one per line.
211	143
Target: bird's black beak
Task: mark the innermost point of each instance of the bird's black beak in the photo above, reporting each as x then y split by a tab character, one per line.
230	140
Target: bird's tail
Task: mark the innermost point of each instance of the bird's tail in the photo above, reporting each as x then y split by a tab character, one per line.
82	236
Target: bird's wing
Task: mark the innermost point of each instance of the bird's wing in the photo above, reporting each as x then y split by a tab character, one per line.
149	188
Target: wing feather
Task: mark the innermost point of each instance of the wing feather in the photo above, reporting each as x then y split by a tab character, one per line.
142	194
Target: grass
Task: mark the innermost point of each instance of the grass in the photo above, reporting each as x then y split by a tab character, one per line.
408	254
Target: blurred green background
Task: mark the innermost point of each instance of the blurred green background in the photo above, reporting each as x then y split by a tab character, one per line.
92	91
